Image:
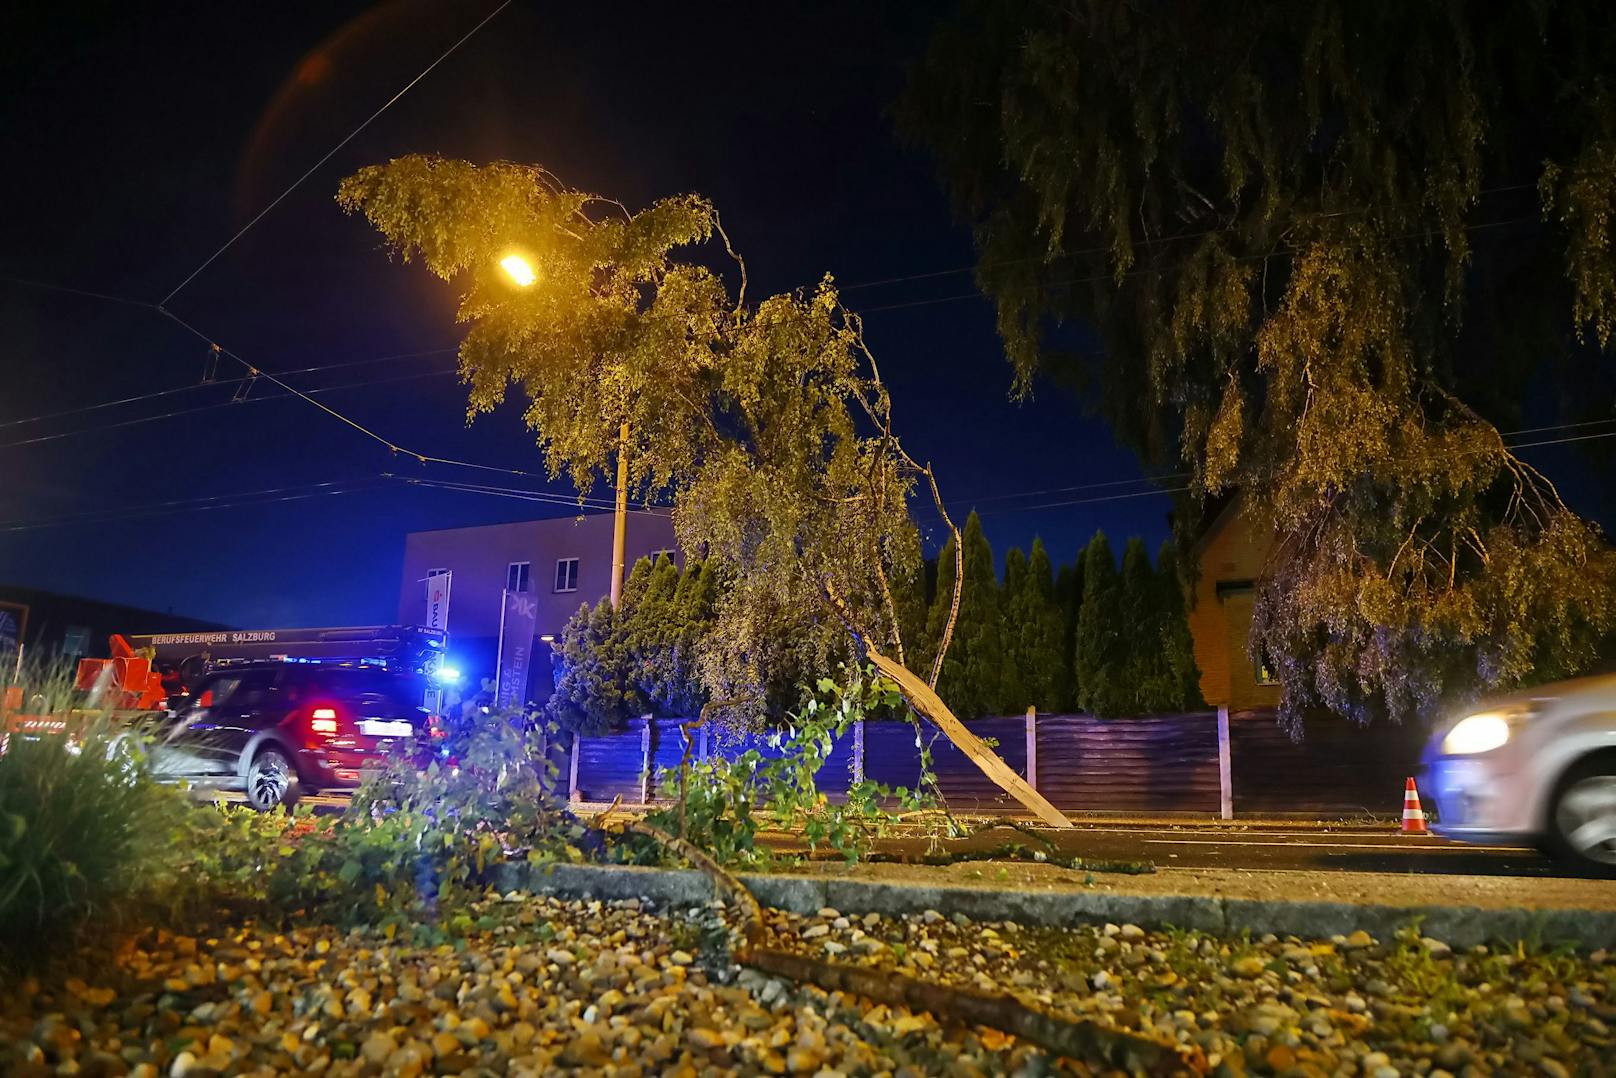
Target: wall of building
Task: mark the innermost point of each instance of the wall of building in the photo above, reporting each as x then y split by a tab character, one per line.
1230	556
479	558
54	625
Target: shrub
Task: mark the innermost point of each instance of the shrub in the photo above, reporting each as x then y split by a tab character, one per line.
720	802
86	835
412	842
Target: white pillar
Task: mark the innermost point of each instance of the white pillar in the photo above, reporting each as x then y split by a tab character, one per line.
645	760
1225	778
1032	747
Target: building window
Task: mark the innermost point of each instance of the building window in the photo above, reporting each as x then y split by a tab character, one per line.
1265	673
566	574
430	573
656	555
76	641
517	576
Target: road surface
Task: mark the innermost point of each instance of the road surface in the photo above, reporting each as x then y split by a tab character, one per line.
1337	849
1252	846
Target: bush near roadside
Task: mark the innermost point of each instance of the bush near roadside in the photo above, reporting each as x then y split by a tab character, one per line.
86	837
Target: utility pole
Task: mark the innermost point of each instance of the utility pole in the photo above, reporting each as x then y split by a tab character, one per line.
620	525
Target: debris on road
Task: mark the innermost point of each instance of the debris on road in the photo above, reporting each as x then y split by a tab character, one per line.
541	986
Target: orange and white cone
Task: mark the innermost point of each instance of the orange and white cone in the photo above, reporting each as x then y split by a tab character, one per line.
1413	815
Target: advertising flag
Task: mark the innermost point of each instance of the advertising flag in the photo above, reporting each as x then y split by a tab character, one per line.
437	600
518	621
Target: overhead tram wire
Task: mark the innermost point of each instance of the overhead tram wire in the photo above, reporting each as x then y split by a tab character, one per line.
252	498
235	500
332	153
231	403
159	394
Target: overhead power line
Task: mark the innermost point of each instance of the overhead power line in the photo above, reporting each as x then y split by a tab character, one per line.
239	399
233	500
161	393
333	152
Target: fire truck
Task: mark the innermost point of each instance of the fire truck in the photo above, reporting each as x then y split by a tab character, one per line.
154	673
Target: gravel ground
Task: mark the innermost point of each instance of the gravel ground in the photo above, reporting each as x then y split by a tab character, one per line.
547	986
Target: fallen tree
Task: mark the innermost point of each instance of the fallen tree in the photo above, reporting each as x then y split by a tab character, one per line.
766	427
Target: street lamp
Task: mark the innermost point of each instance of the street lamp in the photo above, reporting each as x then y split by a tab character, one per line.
519	270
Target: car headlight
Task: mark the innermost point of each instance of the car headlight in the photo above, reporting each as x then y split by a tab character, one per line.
1481	732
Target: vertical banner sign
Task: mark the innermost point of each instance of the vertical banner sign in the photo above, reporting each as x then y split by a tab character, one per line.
437	601
518	621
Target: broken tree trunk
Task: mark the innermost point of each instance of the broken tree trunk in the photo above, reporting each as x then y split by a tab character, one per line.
923	699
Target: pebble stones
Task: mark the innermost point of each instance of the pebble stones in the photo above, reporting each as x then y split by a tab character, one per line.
545	986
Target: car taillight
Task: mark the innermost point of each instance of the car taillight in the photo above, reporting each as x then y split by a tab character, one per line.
323	720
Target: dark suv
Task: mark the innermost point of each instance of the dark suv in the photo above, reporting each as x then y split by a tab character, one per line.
274	730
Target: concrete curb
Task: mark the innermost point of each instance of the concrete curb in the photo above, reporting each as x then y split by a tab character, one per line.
1459	926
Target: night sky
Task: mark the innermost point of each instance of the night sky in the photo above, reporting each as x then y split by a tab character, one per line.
137	141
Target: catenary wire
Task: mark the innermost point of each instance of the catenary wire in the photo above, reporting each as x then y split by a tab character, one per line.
159	394
233	403
333	151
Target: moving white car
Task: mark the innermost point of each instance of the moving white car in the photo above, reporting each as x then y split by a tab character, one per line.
1535	767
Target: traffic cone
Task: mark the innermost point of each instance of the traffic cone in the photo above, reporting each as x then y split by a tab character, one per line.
1413	815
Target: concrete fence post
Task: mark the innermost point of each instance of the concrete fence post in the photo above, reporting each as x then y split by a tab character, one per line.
701	743
1225	768
858	751
645	760
572	768
1032	747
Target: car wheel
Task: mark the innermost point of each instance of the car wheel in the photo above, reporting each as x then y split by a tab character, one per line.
271	781
1582	821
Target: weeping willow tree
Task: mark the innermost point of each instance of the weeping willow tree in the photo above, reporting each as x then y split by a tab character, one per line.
766	425
1326	247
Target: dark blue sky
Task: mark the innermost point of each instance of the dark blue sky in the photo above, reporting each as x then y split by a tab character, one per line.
139	141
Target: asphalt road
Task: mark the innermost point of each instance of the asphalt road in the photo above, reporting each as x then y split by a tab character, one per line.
1254	847
1337	849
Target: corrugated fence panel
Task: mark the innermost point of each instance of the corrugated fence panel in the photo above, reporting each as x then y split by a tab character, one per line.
609	765
1166	763
890	756
964	785
1336	768
1154	764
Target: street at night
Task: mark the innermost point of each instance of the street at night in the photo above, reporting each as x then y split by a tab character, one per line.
838	539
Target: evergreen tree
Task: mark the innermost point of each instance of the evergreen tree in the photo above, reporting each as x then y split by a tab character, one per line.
1069	599
1139	681
1017	669
1033	621
973	678
1177	644
1098	656
908	583
942	594
651	630
592	693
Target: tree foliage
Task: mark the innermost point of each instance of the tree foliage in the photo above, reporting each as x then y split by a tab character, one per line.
765	425
1100	659
1036	630
640	658
1326	246
974	681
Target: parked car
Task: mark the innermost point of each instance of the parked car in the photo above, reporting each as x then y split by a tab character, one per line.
275	730
1536	767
